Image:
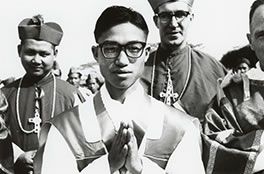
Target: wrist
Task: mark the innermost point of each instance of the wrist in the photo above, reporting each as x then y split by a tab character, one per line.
111	166
139	167
112	170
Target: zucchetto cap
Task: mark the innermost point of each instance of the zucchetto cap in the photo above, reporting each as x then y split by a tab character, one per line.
156	3
35	28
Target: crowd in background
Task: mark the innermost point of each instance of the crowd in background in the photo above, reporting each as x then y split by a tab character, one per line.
88	83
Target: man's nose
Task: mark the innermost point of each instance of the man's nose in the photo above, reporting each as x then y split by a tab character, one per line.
37	58
122	59
174	21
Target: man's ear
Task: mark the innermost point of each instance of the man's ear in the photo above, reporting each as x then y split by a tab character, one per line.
19	47
55	52
95	52
147	52
249	40
155	19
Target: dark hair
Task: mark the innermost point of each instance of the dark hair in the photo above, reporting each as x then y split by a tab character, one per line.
234	57
253	8
79	74
115	15
97	78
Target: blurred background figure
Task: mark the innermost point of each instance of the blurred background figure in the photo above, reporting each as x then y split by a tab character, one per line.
243	65
75	78
56	69
241	59
94	82
238	61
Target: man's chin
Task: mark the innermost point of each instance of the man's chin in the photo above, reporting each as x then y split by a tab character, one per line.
123	84
37	74
174	44
174	40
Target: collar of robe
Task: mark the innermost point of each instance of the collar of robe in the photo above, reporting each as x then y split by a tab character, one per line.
29	80
161	53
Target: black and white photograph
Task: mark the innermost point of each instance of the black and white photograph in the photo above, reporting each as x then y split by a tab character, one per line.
132	87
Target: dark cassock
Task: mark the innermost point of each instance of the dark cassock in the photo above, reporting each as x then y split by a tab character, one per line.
54	97
188	76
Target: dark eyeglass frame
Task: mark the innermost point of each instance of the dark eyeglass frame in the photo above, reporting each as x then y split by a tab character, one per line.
123	47
166	16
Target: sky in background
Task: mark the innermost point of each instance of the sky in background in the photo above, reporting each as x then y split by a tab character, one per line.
220	25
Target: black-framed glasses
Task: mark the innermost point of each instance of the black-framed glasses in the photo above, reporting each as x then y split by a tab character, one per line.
180	15
112	50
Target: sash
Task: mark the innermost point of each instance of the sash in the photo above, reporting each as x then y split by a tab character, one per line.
69	125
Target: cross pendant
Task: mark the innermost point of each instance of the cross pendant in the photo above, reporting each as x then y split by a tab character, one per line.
36	121
169	96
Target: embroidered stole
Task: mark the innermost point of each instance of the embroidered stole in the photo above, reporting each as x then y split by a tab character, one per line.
69	125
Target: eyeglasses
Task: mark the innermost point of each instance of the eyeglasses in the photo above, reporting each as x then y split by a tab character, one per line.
112	50
165	17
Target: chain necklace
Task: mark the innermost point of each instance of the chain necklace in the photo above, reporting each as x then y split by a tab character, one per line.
17	105
185	84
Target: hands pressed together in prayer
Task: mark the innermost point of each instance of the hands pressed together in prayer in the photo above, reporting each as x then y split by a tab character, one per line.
123	154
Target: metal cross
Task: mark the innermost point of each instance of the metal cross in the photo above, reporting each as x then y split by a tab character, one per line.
169	96
36	121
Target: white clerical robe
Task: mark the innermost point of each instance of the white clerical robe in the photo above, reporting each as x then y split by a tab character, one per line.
186	157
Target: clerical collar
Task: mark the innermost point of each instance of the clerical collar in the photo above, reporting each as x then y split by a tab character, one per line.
165	53
135	108
29	81
256	73
138	91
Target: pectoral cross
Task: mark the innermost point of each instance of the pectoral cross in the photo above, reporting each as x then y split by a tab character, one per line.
169	96
36	120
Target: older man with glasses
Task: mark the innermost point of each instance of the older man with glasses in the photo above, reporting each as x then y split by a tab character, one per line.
176	73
